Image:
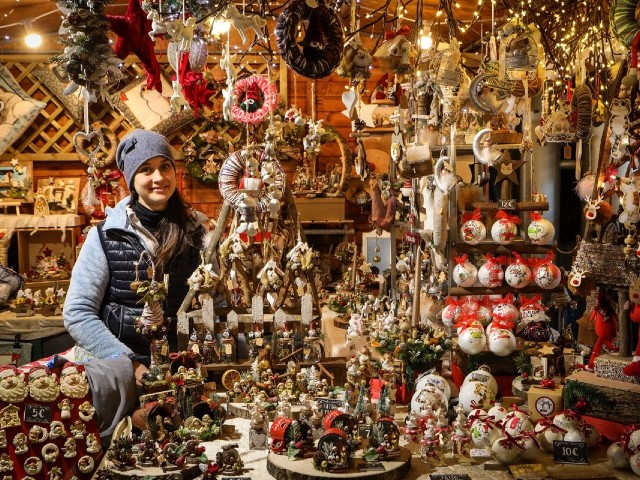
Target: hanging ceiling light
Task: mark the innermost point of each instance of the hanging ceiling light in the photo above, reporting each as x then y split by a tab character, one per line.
32	39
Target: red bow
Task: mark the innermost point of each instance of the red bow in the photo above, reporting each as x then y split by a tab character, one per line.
502	321
475	215
403	30
548	424
533	301
548	383
462	259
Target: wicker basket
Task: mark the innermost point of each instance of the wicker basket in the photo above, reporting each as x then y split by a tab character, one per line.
607	263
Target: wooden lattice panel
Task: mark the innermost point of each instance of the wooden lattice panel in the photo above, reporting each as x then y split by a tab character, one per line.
50	136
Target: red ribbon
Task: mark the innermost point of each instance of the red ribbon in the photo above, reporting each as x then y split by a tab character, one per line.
507	299
504	215
462	259
547	424
403	30
502	321
531	435
530	301
475	215
548	383
453	301
535	216
466	321
518	258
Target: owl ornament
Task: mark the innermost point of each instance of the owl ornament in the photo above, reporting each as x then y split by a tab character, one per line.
356	60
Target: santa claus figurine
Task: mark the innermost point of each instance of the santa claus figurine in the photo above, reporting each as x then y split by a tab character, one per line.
606	325
73	381
252	100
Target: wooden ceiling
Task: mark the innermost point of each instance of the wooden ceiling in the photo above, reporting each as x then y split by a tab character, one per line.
46	19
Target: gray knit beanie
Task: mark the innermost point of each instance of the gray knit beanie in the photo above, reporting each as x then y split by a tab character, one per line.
139	146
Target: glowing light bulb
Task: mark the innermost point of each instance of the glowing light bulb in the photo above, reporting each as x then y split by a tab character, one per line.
426	42
220	26
32	39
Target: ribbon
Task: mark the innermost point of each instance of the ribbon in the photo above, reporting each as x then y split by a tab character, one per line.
462	259
518	259
510	441
453	301
531	435
466	321
506	300
548	383
535	216
475	215
530	301
504	321
547	424
403	30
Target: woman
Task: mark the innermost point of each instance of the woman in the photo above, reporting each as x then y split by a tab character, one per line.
100	307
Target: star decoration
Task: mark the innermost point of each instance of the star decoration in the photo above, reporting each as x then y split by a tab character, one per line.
51	180
132	29
365	112
508	169
546	350
15	162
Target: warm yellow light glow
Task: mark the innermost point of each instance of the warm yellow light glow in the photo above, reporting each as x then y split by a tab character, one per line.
33	40
426	42
220	26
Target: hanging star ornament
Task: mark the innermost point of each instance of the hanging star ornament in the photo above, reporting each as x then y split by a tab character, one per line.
133	30
508	169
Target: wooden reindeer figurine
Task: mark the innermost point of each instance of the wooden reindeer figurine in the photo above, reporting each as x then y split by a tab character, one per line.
598	213
243	23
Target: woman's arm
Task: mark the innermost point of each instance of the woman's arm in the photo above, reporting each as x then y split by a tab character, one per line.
89	281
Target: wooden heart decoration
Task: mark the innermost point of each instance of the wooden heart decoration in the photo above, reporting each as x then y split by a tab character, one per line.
88	144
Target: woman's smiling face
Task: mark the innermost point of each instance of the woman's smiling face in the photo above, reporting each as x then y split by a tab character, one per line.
155	181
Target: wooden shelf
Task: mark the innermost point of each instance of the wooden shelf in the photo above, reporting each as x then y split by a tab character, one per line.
520	206
501	290
517	246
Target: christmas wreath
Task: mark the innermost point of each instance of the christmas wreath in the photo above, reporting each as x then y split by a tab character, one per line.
322	44
256	97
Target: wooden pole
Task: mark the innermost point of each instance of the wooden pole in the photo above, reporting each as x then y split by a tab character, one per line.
417	281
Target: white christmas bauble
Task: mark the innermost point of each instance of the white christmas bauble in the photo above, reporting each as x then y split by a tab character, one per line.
483	434
450	314
473	232
514	426
504	450
504	231
616	456
547	435
634	462
465	274
475	394
477	415
517	275
501	342
532	312
530	451
490	275
428	398
547	275
472	340
567	421
592	434
541	232
634	441
483	374
506	311
437	381
498	412
575	436
484	315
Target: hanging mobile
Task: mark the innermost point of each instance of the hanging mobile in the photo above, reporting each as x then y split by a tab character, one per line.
377	258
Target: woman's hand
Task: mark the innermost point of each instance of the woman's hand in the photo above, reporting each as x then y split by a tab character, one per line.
139	370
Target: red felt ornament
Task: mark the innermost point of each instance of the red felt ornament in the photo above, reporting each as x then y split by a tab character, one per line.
606	324
194	87
132	29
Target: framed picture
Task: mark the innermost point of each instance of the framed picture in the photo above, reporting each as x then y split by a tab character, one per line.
16	181
376	249
57	195
150	109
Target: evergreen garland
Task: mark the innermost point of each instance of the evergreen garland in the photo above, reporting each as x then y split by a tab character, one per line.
574	390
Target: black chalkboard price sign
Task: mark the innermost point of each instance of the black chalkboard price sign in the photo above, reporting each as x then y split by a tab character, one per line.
449	476
37	413
570	452
327	405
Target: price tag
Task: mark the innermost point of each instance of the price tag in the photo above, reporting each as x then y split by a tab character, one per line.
479	453
570	452
509	204
259	342
37	413
230	284
364	431
228	349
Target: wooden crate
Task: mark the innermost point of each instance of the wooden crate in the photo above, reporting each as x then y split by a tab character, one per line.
320	208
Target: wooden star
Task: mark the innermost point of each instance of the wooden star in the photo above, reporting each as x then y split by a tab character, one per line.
132	29
546	350
508	169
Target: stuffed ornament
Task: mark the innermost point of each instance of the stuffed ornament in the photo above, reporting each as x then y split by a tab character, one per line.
381	217
132	29
465	273
633	369
248	218
606	324
472	230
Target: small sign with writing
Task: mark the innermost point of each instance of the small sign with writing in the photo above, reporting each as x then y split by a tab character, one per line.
364	431
327	405
570	452
480	453
236	478
449	476
509	204
37	413
371	467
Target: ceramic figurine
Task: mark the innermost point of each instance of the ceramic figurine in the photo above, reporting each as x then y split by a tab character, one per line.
333	452
430	446
229	460
73	381
13	388
43	387
70	448
460	437
258	431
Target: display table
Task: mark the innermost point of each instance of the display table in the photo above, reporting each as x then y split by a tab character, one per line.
34	327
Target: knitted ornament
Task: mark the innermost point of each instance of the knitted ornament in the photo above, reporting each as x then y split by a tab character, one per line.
472	230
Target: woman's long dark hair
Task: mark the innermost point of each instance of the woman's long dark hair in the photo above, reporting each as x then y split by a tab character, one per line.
172	235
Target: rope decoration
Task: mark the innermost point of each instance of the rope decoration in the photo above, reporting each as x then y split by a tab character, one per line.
323	42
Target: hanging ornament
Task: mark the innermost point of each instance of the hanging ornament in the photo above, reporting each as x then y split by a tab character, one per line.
198	54
532	309
471	336
518	273
490	274
504	308
465	273
505	228
500	339
451	311
472	230
476	395
546	274
541	231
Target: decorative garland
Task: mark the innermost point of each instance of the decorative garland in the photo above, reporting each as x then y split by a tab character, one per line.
256	97
323	42
576	391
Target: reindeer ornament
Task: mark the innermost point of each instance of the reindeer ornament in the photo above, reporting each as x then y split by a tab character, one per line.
598	213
